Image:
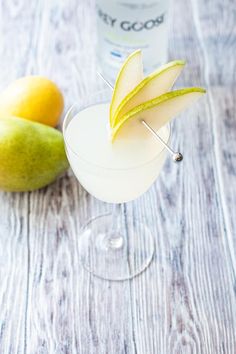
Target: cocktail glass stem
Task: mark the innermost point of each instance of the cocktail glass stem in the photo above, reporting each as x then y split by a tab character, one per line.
116	239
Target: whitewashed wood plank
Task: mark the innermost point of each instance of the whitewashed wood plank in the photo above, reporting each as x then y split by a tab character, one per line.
216	30
13	271
222	105
16	31
16	27
185	302
190	44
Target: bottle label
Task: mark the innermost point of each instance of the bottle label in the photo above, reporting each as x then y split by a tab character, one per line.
126	26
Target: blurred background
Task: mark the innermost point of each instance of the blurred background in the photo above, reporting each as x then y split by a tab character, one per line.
57	40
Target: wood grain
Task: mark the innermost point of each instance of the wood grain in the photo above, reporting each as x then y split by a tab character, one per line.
185	302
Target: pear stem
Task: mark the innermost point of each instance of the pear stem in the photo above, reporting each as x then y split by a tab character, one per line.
176	156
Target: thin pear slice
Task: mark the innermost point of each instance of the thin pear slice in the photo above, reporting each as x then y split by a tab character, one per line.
156	112
130	75
157	83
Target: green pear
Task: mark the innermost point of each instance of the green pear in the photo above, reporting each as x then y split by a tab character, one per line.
32	155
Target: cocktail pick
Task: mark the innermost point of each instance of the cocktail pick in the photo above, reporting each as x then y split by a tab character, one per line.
176	156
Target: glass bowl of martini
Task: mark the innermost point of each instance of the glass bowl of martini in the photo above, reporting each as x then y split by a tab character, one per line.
116	159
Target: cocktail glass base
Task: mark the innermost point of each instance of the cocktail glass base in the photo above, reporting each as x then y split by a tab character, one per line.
117	249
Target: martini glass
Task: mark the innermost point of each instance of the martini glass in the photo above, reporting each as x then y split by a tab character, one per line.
113	246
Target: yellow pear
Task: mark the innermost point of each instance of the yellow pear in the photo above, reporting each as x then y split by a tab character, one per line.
34	98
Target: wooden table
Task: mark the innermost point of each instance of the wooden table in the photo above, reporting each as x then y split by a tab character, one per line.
185	301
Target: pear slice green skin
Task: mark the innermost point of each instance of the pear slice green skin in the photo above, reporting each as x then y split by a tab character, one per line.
129	76
156	112
156	84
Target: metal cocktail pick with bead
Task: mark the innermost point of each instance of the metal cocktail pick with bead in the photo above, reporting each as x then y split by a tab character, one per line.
176	156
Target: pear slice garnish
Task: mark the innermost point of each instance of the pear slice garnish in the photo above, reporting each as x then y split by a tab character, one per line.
156	112
156	84
130	75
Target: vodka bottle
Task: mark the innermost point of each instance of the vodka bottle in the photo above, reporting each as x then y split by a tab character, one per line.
126	25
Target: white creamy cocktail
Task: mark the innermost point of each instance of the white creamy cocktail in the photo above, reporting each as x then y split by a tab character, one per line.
116	159
112	172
